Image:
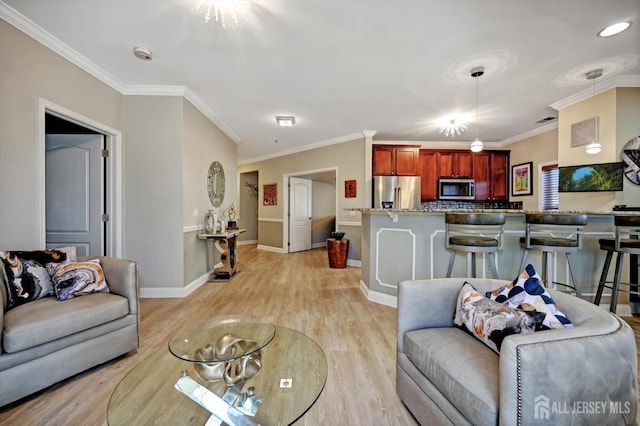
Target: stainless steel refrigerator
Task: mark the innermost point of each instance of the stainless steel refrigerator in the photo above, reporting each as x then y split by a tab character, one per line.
397	192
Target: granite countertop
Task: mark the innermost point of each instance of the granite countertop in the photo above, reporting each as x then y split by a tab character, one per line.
507	211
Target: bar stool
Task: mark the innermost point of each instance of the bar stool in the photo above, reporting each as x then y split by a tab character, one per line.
553	233
626	241
473	233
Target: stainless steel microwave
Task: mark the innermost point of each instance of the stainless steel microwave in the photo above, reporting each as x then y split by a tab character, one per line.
456	189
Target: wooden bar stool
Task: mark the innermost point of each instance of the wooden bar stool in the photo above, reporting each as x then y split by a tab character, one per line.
626	241
473	233
553	233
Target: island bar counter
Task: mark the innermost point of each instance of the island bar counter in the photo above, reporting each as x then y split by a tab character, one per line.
402	245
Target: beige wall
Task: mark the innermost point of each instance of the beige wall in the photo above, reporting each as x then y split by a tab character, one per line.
349	160
248	208
541	150
203	143
603	106
162	137
627	127
29	71
618	111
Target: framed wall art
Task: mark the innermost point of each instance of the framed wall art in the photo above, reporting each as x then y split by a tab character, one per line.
350	188
270	197
522	179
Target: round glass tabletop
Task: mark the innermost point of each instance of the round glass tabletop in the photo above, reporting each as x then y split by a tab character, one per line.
229	338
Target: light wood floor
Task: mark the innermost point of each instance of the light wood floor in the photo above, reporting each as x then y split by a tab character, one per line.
298	291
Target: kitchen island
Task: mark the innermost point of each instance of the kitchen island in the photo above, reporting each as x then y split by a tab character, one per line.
402	245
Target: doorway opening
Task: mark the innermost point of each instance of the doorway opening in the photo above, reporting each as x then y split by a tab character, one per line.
79	182
313	192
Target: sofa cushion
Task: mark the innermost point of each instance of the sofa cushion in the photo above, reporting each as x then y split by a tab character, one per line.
527	292
73	279
490	321
48	319
26	276
461	367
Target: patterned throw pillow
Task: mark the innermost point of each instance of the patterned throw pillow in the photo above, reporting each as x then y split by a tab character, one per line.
26	276
491	321
73	279
527	292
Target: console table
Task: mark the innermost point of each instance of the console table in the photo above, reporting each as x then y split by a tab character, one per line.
225	243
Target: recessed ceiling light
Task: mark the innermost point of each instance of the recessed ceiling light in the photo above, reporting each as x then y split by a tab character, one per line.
614	29
285	121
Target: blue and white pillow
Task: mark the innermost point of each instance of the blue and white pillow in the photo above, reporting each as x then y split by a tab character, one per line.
527	292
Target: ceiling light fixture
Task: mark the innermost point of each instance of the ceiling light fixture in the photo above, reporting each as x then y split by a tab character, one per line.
594	147
285	121
222	9
614	29
452	125
477	145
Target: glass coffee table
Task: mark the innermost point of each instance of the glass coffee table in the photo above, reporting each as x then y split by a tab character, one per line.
291	374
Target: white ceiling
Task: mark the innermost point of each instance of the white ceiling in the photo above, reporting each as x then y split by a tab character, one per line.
341	67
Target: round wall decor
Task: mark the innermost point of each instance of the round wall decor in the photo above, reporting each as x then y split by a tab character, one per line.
631	158
215	183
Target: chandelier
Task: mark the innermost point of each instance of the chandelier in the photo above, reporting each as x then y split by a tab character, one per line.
453	125
222	10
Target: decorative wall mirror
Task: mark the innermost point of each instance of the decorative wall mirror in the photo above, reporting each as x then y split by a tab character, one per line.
631	159
215	183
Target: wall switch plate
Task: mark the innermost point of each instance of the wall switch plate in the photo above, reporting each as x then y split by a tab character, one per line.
195	213
286	383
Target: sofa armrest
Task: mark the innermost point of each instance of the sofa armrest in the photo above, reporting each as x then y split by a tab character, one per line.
432	303
583	375
122	278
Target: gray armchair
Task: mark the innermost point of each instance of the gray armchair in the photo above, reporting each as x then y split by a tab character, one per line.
582	375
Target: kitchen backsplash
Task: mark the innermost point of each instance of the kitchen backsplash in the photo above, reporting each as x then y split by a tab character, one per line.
450	204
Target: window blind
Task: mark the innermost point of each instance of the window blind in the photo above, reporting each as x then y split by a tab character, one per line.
550	182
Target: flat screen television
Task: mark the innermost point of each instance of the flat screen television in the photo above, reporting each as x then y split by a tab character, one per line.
591	177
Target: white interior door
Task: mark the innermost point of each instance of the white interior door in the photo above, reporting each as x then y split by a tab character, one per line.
299	214
74	192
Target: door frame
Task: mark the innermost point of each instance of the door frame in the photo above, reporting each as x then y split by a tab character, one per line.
285	202
113	142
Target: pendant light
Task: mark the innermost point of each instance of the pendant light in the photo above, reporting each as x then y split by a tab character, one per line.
594	147
477	145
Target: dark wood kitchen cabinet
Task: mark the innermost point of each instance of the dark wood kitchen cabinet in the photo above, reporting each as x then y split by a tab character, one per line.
455	164
490	171
390	160
428	165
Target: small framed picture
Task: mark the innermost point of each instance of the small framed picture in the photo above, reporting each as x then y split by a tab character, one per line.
522	179
270	194
350	188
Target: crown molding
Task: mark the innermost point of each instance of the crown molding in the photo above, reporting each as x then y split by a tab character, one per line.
148	90
369	133
321	144
45	38
207	112
531	133
619	81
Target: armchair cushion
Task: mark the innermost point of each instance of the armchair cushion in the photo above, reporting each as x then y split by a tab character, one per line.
47	319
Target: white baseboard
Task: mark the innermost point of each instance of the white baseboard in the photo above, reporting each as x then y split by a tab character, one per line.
270	248
246	242
175	292
376	297
355	263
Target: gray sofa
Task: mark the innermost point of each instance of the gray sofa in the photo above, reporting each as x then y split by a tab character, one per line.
585	375
45	341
